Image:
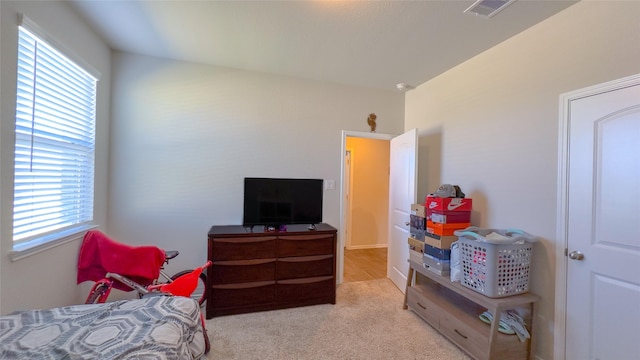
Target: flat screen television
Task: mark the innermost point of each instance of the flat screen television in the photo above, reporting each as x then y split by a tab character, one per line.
277	201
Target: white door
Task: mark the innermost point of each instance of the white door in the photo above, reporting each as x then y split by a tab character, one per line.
402	193
603	226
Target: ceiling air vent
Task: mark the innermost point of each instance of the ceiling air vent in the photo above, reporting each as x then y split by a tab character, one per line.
488	8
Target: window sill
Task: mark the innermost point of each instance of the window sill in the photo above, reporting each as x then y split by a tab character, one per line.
31	247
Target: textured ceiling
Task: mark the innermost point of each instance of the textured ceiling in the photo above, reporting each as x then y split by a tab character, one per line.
373	44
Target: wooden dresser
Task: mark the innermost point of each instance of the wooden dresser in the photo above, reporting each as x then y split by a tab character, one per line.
257	270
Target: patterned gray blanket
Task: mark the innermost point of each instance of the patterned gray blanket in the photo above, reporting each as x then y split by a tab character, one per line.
159	327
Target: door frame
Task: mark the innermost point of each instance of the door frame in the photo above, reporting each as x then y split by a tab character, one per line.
346	196
562	201
341	230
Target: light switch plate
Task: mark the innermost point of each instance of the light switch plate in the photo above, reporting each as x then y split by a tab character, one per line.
330	184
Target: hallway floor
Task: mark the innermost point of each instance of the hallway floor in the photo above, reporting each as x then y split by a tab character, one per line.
365	264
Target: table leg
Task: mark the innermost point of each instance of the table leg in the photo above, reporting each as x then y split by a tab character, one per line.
532	342
495	324
409	281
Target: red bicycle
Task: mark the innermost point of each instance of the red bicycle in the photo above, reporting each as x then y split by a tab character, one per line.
142	265
111	264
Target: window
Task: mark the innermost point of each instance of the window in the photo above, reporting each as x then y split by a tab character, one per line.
55	143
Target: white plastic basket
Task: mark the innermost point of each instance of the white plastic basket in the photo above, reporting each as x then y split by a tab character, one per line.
495	270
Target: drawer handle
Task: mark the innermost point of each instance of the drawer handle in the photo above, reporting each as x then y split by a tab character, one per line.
459	333
422	306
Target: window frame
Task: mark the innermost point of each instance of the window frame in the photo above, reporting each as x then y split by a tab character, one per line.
33	244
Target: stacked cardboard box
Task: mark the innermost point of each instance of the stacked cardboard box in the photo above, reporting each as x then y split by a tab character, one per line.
444	216
417	230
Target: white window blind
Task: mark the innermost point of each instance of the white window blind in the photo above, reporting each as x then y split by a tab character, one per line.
55	142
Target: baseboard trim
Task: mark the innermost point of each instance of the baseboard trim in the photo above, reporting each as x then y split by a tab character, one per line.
361	247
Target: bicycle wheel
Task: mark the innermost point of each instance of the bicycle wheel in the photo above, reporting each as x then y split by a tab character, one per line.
97	294
200	294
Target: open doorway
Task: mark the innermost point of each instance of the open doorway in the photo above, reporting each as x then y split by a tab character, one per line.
363	237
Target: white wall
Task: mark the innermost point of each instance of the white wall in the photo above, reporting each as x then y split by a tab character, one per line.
48	278
185	135
491	124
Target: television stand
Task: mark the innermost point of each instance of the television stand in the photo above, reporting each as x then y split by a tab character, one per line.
312	227
259	270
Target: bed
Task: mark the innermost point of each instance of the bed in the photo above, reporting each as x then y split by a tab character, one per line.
156	327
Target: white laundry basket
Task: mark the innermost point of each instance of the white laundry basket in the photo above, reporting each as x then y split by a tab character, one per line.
499	268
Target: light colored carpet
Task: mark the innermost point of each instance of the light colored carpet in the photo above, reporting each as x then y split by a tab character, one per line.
367	322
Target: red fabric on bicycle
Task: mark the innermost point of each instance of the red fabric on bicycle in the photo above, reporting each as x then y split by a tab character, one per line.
99	255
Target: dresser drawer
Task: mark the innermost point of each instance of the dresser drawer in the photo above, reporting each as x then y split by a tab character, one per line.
304	266
241	271
305	245
466	337
235	295
306	289
242	248
423	307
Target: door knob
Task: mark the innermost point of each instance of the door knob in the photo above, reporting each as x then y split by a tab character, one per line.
576	255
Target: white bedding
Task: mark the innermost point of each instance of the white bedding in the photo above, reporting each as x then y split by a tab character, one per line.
159	327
